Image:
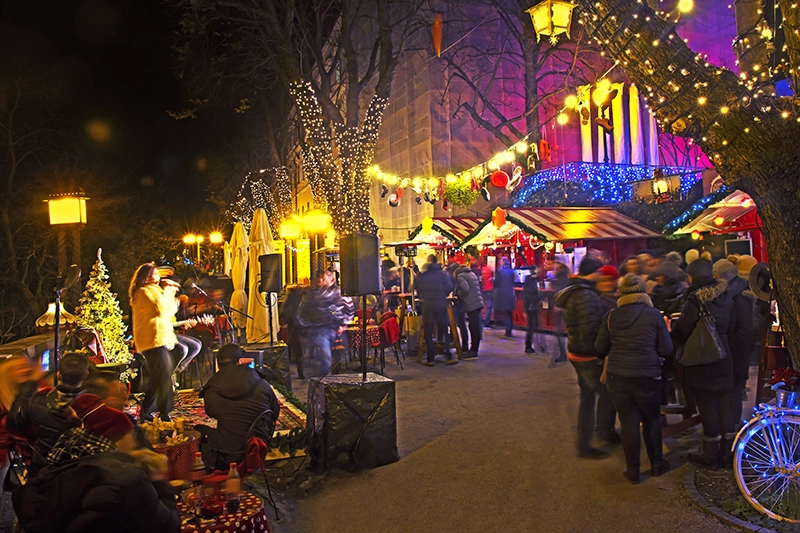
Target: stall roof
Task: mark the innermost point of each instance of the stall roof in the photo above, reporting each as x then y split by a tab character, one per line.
730	209
454	229
556	224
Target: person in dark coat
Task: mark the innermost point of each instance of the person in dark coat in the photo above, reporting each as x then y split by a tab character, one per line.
468	290
433	285
669	288
46	413
607	279
583	314
95	481
238	397
504	299
459	314
530	302
322	315
742	340
710	384
635	340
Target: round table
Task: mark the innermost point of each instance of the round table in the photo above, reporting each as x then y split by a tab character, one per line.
250	518
180	456
354	336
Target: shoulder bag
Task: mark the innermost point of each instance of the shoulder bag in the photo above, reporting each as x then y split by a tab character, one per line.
703	346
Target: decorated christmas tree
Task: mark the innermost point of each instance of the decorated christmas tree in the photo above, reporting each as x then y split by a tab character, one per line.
99	309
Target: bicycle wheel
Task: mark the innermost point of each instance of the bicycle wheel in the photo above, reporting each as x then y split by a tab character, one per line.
766	463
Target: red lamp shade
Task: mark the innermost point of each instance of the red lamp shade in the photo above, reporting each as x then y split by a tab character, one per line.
499	179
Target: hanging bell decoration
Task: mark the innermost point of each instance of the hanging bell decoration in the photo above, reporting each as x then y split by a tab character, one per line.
394	201
485	194
384	191
427	196
419	200
445	205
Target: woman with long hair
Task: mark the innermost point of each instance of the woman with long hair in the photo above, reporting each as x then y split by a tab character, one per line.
153	304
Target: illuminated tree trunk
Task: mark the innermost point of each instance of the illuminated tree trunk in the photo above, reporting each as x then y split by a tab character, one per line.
750	136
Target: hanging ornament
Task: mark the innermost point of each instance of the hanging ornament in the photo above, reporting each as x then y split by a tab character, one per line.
485	194
516	177
445	205
394	200
427	196
441	189
384	191
474	185
419	200
436	33
399	192
499	217
499	179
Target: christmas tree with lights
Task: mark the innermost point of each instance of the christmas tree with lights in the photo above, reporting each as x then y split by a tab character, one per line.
99	309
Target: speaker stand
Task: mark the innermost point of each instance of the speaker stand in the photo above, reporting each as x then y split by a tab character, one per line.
269	310
364	338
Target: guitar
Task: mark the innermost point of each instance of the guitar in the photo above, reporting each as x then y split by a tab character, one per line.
189	323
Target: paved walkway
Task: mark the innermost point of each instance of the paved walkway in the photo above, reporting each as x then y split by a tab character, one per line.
487	446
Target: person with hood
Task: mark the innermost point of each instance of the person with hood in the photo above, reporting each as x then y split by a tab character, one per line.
670	285
711	384
530	303
322	315
504	298
433	285
607	282
468	290
742	340
635	340
96	482
46	413
237	396
583	315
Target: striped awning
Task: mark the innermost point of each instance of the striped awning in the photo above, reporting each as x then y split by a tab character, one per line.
559	224
719	216
453	229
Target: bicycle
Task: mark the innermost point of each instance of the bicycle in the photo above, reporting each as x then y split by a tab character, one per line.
767	457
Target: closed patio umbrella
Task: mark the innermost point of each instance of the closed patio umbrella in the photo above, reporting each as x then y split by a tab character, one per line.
261	243
239	264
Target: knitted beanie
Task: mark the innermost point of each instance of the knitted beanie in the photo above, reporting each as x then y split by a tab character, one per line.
700	269
692	255
632	283
724	269
609	270
589	266
746	264
100	419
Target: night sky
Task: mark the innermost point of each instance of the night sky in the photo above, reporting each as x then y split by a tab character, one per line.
116	83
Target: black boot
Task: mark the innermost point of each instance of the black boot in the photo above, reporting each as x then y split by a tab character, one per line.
708	456
726	450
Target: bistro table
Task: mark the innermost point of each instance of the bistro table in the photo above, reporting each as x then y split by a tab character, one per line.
250	518
180	456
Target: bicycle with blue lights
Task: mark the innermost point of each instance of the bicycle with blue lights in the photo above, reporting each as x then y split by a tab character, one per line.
767	457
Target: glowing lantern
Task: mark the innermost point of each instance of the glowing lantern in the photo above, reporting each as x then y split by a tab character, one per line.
719	221
290	230
67	209
499	179
695	235
551	18
499	217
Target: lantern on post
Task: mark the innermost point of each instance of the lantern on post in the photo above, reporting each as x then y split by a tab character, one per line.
551	18
68	213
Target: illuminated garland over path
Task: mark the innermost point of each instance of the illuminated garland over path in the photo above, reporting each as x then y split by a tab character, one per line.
343	186
750	135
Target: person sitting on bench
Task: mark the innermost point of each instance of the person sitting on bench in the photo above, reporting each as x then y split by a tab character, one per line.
244	405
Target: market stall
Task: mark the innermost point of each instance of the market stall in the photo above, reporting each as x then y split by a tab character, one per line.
549	235
729	225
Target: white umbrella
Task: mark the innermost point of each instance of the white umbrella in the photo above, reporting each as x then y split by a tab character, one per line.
238	250
226	258
261	243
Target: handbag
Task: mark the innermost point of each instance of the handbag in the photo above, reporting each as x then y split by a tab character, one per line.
19	455
703	346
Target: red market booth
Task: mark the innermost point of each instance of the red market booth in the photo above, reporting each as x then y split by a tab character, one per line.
548	235
728	226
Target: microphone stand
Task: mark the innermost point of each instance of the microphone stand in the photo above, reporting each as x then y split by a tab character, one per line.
226	309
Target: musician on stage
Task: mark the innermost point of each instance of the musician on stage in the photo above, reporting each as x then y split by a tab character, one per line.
153	303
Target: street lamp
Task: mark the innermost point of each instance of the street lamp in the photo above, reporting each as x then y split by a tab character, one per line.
68	213
552	18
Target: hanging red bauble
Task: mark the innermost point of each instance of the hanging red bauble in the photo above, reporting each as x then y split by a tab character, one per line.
474	185
499	179
399	192
394	200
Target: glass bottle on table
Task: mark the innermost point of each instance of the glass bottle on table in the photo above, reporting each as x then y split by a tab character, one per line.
233	489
